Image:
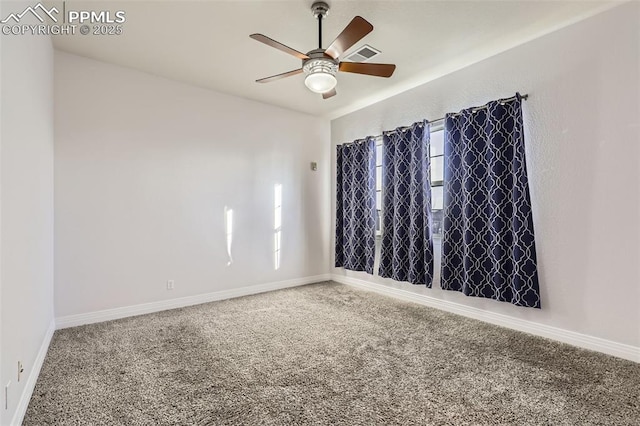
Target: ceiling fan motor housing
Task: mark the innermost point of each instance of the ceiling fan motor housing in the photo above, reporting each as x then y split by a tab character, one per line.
319	62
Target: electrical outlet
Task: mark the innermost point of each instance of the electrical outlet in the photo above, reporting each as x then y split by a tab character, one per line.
6	395
20	369
170	284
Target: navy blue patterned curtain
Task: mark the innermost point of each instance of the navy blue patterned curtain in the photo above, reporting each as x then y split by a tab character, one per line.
488	245
407	248
356	205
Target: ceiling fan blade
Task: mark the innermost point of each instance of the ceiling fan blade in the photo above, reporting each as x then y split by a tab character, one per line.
378	70
329	94
270	42
357	28
279	76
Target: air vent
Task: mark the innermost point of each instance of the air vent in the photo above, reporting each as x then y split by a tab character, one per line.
363	54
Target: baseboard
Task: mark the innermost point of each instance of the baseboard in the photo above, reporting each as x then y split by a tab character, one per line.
147	308
30	384
608	347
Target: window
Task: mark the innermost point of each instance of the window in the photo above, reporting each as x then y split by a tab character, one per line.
436	153
379	186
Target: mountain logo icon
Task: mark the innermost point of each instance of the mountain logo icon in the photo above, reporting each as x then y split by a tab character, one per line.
39	11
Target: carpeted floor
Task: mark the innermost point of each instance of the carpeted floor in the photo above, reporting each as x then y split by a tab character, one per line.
324	354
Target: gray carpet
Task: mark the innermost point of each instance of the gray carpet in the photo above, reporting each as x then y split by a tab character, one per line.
324	354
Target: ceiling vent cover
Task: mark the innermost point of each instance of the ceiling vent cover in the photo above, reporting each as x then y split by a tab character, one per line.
363	54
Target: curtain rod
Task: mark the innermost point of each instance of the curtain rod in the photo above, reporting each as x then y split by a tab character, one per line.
473	109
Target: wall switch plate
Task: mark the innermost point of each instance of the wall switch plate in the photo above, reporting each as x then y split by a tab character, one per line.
170	284
314	166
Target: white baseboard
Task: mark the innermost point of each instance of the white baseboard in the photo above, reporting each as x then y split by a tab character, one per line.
34	372
608	347
147	308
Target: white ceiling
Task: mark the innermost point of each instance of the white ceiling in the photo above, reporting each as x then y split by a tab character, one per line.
207	43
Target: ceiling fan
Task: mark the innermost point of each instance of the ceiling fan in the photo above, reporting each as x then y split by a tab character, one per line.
321	65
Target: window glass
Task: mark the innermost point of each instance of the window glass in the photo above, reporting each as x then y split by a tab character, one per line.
437	170
437	142
437	198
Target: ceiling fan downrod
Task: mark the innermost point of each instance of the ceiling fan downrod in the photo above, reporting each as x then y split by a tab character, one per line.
320	10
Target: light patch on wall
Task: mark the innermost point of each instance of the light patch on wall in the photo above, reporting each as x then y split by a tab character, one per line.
228	227
277	225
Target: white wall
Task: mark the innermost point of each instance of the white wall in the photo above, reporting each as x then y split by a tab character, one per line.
582	124
26	200
144	168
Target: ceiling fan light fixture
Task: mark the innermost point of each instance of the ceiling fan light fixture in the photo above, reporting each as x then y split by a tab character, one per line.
320	75
320	82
